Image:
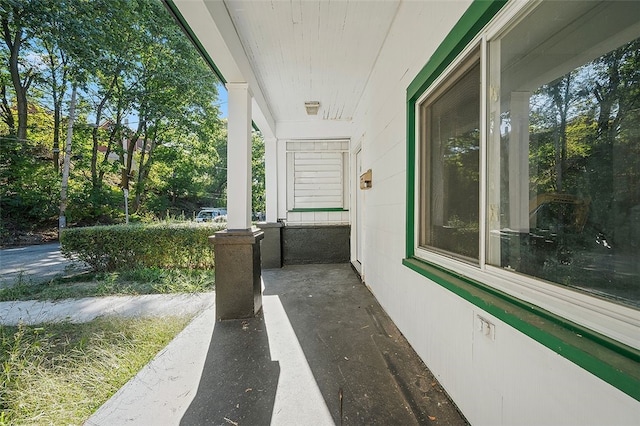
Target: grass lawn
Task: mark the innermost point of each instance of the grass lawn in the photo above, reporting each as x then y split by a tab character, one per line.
127	282
61	373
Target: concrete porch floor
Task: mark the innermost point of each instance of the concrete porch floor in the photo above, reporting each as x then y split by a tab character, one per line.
321	352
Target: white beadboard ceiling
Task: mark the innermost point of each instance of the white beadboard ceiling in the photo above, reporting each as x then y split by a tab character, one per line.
309	50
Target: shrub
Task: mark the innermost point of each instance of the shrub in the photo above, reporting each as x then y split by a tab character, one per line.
163	245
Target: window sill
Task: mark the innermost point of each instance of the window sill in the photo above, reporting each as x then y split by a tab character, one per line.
611	361
319	209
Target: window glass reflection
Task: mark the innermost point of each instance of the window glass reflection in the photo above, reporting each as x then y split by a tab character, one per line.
568	184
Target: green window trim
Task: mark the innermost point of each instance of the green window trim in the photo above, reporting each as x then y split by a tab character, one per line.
321	209
605	358
182	23
186	29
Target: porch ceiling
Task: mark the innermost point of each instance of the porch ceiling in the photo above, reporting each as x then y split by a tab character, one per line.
297	50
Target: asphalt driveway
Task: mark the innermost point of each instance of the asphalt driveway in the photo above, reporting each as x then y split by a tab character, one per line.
34	264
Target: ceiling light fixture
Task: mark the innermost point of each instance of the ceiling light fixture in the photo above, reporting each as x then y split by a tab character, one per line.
312	107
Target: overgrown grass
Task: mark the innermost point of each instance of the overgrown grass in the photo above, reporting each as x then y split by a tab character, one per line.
125	282
62	373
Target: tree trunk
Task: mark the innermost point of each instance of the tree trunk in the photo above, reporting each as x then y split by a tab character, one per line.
96	176
7	113
62	221
58	91
14	43
131	149
141	175
56	134
561	97
145	167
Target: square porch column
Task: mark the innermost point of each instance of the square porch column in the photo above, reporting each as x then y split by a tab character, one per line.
237	249
271	179
239	157
271	249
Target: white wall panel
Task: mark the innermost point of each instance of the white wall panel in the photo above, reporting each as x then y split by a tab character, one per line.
281	152
317	179
317	174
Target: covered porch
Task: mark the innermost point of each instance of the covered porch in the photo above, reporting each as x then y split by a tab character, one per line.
314	346
322	351
296	72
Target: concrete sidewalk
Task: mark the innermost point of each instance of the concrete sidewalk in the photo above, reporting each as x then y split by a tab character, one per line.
34	264
86	309
162	391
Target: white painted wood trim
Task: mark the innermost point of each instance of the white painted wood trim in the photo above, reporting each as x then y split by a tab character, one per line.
281	149
271	179
239	157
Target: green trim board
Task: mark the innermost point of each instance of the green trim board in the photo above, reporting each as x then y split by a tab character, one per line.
324	209
411	176
479	13
611	361
173	10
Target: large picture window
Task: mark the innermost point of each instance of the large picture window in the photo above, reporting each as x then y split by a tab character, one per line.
549	194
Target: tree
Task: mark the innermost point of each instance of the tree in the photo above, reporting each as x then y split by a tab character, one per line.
28	185
173	90
62	221
19	19
584	138
133	65
6	114
560	92
186	175
56	61
616	89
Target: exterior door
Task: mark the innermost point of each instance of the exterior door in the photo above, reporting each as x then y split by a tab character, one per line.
359	215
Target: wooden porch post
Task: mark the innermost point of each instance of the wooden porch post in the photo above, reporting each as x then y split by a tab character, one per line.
239	157
237	249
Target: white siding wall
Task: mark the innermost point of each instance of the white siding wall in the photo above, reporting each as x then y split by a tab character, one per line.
317	181
510	380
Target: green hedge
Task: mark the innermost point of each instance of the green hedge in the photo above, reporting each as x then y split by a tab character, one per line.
165	245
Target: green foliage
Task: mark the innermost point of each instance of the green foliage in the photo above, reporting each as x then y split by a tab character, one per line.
61	373
584	139
90	205
257	174
188	176
164	245
28	189
141	81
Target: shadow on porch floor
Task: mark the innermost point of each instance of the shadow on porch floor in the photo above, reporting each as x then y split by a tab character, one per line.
323	352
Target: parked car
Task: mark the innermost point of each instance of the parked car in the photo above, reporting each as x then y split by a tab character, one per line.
209	214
